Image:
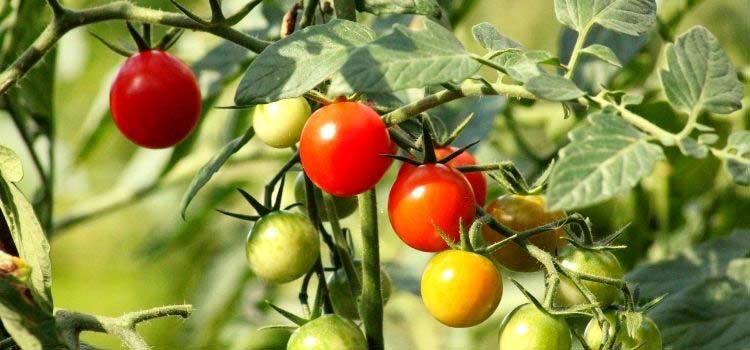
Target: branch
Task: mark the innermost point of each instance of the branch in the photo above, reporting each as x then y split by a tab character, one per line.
68	19
467	88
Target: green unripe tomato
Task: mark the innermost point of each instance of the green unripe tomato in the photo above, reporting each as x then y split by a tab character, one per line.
279	124
282	246
599	263
345	206
528	328
269	338
646	337
328	332
339	291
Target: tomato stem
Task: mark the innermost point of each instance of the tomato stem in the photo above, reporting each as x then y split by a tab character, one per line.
341	248
372	298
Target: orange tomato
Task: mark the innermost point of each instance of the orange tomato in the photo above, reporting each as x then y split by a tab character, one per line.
520	213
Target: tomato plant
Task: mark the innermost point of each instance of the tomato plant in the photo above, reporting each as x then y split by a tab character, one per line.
646	336
342	147
279	124
155	99
282	246
630	138
595	263
523	212
527	327
329	332
460	288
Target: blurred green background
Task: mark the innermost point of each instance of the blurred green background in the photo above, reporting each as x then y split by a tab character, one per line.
142	254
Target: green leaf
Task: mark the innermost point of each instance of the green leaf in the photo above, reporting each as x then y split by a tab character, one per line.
553	88
31	326
604	158
699	75
631	17
490	38
10	165
522	66
603	53
737	157
389	7
296	64
692	148
29	240
405	59
213	165
708	294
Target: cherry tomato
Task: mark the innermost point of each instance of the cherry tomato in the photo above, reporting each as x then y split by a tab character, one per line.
476	179
529	328
522	213
269	338
430	196
279	124
341	148
328	332
460	288
345	206
155	99
646	337
282	246
340	291
593	262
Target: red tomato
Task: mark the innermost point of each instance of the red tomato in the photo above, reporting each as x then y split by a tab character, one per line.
341	146
155	99
476	179
430	195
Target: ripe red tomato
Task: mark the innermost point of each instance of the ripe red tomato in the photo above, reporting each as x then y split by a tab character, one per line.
476	179
341	147
430	195
155	99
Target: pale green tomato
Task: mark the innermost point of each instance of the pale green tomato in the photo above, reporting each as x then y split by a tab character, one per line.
646	337
282	246
340	291
279	124
528	328
328	332
269	338
593	262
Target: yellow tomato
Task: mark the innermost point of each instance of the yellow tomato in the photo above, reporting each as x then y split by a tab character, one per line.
460	288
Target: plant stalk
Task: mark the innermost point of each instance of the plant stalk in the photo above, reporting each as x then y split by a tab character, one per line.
372	299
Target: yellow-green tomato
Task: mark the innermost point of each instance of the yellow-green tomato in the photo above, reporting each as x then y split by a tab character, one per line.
269	338
345	206
279	124
460	288
328	332
646	337
340	291
600	263
282	246
528	328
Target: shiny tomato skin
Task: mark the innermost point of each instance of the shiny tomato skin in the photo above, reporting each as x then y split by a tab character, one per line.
476	179
460	288
282	246
523	212
279	124
341	148
601	263
155	99
430	196
528	328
